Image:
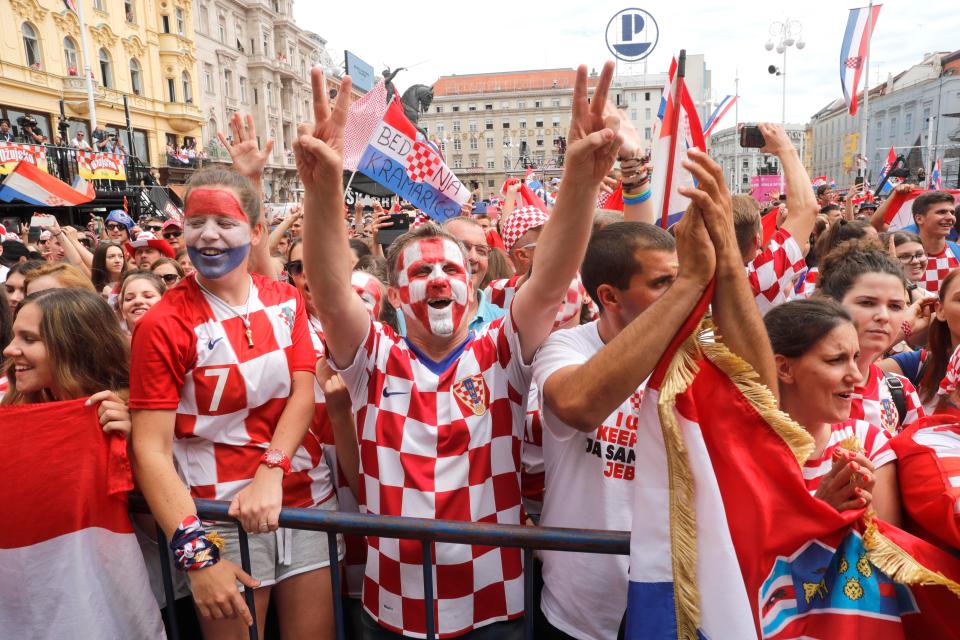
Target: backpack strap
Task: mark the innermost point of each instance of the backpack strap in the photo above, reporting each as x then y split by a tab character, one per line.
899	396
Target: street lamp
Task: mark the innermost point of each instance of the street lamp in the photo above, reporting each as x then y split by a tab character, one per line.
784	35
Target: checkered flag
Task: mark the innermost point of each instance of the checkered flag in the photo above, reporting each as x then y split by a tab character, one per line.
363	117
854	62
422	162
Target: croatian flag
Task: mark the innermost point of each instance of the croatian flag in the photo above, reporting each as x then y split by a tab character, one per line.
731	544
679	131
853	52
887	167
819	181
936	182
70	561
718	114
29	184
900	210
392	155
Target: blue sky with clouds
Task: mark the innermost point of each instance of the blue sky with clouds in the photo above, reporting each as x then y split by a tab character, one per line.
444	38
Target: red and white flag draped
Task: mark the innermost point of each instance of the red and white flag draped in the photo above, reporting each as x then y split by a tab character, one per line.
729	543
70	565
680	130
900	210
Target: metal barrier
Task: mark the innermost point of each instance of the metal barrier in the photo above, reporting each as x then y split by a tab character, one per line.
424	530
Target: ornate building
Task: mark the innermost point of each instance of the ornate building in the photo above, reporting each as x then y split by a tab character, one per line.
142	50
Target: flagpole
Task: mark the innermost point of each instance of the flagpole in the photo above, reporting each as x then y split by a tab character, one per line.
674	128
866	95
736	125
91	107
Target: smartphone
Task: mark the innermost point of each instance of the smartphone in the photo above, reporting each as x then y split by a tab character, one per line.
858	181
401	224
751	137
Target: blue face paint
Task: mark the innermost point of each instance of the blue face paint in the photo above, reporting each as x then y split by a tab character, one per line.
213	267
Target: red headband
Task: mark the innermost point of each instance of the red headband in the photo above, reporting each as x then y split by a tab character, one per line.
207	201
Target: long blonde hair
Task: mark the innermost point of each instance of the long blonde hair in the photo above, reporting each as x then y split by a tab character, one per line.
85	348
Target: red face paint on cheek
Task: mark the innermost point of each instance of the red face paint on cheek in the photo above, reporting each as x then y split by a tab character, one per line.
433	284
369	290
213	202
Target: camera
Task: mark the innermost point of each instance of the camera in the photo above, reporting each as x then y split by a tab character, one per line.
26	122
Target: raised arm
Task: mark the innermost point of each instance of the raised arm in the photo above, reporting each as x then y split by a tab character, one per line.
633	169
591	152
877	218
734	309
326	251
277	234
802	206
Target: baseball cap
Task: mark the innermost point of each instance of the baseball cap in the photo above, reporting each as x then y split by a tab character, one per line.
120	216
147	239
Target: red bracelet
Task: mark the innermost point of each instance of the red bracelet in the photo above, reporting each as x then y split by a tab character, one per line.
276	458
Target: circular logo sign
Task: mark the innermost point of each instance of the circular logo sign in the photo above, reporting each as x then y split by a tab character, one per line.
632	35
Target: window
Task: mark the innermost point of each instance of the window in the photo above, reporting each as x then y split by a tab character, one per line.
204	19
633	114
269	92
165	23
256	96
523	124
474	162
506	124
555	103
539	123
456	126
98	5
106	69
441	128
473	144
488	107
238	34
647	113
893	127
537	104
458	162
646	96
472	107
490	183
506	163
489	143
456	107
171	90
187	89
539	142
208	78
266	42
70	56
136	77
456	144
908	122
228	83
556	121
222	28
472	126
439	108
647	133
443	146
878	130
180	23
243	90
521	105
31	45
488	124
129	11
504	105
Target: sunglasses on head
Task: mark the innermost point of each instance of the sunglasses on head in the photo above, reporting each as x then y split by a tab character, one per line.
170	278
114	226
294	268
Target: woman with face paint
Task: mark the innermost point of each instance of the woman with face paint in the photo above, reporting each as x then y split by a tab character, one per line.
222	383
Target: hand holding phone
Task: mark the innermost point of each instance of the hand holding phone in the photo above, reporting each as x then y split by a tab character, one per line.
751	137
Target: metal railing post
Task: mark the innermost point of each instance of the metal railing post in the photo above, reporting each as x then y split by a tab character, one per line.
335	584
428	588
168	593
529	606
247	591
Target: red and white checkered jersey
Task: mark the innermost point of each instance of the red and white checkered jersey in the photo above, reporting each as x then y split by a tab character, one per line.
773	272
938	266
441	446
355	558
874	441
809	285
501	294
191	356
4	385
531	454
874	403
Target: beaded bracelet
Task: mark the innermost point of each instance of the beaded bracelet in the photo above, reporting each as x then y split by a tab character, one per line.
193	548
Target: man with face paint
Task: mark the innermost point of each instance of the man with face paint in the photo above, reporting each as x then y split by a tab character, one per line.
222	384
440	413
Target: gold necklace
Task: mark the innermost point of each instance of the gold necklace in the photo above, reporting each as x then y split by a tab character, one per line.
245	317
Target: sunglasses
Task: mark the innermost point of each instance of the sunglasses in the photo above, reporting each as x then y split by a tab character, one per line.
156	228
170	278
170	235
294	268
85	242
114	226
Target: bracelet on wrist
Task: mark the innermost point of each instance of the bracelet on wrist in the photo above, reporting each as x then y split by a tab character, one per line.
638	198
193	548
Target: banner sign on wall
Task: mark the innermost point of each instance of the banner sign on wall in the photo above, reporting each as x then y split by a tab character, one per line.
11	153
101	166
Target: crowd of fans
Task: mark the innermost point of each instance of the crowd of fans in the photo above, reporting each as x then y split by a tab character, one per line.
489	369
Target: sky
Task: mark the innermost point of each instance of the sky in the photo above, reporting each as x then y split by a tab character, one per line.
454	37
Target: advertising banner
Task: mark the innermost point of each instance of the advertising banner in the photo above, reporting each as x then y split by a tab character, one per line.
101	166
11	153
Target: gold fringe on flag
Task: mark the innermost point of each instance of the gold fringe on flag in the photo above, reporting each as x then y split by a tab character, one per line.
899	565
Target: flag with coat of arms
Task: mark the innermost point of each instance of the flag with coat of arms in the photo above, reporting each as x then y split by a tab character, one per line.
854	50
936	182
731	544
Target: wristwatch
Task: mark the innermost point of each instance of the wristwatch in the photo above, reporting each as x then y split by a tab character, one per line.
276	458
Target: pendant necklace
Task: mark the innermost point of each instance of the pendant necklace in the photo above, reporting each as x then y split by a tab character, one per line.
244	317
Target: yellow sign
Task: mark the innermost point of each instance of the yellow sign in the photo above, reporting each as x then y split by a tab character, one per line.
101	166
11	153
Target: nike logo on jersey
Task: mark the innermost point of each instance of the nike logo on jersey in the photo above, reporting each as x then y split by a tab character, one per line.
387	393
211	343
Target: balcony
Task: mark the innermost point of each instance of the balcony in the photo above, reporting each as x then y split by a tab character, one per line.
286	69
260	60
183	118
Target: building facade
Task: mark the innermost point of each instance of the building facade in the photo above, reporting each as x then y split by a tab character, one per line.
141	50
252	58
492	126
739	164
917	112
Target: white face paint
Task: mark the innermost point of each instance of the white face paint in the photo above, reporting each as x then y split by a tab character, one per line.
433	284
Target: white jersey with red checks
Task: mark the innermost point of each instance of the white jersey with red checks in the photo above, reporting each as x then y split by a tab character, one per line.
501	294
938	266
874	441
356	549
874	403
805	289
191	355
441	446
531	454
773	272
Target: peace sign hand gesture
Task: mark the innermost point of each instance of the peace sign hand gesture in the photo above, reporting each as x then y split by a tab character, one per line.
594	140
248	159
319	149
